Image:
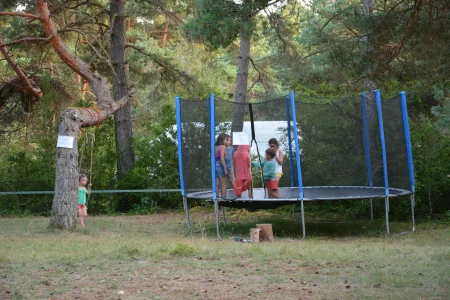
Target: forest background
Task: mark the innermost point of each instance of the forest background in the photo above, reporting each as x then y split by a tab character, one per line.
192	48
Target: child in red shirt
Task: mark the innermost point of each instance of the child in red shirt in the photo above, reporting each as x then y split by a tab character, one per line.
243	180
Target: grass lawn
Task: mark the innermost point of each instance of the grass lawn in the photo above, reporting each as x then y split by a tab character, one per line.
155	257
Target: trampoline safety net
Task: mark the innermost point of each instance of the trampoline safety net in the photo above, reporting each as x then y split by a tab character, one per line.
334	149
195	145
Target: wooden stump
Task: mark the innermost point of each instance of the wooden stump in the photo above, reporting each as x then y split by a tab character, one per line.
254	234
266	234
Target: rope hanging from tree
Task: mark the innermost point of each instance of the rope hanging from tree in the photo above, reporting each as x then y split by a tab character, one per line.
94	135
252	124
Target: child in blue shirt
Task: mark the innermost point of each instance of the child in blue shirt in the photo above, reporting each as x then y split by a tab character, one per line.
269	173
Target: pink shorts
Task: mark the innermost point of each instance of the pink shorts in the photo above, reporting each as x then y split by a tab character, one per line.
272	184
81	206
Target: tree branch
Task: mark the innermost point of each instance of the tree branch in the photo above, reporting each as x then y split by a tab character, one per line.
412	20
88	3
26	40
27	85
98	114
261	76
275	24
265	6
86	40
170	71
19	14
12	109
76	64
160	5
334	16
79	24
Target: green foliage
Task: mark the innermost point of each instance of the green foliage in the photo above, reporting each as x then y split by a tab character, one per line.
156	166
442	112
334	42
446	217
28	169
217	23
98	146
29	164
146	206
431	148
182	249
319	49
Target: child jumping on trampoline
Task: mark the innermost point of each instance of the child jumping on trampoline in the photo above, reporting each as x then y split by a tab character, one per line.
224	163
82	192
269	173
273	143
241	162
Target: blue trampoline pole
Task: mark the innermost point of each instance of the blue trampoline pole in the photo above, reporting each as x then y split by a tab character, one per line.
408	153
212	136
180	158
212	122
297	146
297	156
383	151
291	166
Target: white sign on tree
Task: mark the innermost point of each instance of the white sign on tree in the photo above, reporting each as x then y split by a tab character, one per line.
240	138
65	141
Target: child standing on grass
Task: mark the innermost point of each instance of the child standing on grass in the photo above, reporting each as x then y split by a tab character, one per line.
224	163
269	173
243	182
82	192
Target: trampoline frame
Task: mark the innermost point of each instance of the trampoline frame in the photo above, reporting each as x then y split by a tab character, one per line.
300	199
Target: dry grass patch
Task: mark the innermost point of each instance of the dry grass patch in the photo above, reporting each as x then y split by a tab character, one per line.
152	257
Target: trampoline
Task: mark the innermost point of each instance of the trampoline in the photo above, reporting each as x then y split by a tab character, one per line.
288	195
347	149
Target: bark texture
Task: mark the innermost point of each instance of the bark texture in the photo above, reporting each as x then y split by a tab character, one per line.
241	83
266	233
369	84
122	117
64	208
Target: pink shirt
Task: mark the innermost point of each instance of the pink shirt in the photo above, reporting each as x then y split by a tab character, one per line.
242	162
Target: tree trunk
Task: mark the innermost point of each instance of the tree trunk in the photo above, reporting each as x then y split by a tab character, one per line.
64	208
430	202
166	33
254	234
369	84
241	81
122	117
266	233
